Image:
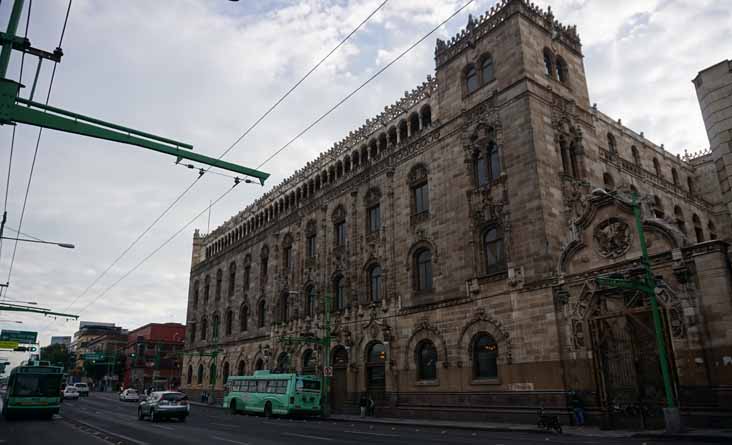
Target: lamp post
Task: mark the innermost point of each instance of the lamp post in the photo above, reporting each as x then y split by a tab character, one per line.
28	240
647	285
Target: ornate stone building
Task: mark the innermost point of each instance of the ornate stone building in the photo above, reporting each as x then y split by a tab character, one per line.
460	233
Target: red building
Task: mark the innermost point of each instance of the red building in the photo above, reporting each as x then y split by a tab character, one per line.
153	358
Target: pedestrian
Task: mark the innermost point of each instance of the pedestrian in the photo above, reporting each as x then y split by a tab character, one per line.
578	406
363	404
372	407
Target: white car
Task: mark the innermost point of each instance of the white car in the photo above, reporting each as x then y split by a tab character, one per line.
82	388
129	395
70	392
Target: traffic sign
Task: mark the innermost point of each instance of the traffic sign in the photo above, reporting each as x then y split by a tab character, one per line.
93	356
328	371
8	344
22	337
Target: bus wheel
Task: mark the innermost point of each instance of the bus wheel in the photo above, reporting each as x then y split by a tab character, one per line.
232	407
268	410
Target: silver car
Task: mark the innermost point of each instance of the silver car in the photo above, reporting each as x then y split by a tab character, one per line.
164	405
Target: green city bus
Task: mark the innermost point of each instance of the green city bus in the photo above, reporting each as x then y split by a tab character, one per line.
33	390
269	393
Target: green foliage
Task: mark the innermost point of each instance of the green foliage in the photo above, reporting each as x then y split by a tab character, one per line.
57	354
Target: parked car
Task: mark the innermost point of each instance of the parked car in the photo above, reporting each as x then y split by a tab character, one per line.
83	389
129	395
70	392
164	405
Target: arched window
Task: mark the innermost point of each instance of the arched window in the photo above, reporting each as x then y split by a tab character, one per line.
212	374
485	357
421	197
675	176
283	362
219	279
225	375
680	219
284	306
698	231
611	145
658	207
471	79
339	293
487	162
548	63
690	184
486	69
310	239
261	314
308	362
656	167
247	274
493	250
204	328
206	289
414	124
423	269
608	180
310	301
215	322
287	257
244	318
403	130
199	378
712	230
263	265
259	365
189	377
229	322
636	156
393	134
375	283
375	370
232	278
425	116
240	368
193	332
426	360
562	71
195	293
340	357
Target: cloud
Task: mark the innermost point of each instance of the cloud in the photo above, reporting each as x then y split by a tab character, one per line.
202	72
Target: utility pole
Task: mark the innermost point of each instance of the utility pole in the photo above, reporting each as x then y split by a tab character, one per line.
325	341
647	285
15	109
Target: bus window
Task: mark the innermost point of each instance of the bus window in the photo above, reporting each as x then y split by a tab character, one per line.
307	385
36	385
261	385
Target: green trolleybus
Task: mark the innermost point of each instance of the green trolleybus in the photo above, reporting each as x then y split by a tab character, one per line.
268	393
33	390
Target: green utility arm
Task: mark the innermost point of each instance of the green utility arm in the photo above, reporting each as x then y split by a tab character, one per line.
16	109
624	284
14	308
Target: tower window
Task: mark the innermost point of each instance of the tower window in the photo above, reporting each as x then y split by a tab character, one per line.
471	79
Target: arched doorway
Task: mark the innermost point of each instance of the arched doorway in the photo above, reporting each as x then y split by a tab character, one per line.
259	365
375	370
283	362
339	384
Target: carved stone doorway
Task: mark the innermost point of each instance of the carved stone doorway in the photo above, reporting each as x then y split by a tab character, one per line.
629	380
339	387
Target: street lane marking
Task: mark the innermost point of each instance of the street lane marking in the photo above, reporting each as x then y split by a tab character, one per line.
229	440
371	434
305	436
228	425
110	433
164	427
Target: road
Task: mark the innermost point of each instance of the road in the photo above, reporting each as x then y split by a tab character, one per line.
102	419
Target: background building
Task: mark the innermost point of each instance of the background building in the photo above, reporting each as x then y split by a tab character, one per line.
154	356
460	234
66	341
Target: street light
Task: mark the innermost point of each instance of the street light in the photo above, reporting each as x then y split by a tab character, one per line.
19	301
11	321
64	245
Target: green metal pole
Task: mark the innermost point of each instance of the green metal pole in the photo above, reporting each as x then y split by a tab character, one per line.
10	34
650	286
326	358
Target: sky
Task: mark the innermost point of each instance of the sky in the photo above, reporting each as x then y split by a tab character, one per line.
201	71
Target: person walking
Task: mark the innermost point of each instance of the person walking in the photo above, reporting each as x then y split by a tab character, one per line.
578	406
363	404
372	407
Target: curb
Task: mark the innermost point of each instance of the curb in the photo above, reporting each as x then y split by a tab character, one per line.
675	437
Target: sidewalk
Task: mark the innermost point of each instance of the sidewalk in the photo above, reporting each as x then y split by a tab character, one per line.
696	435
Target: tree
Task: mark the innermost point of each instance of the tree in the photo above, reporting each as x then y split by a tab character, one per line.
57	355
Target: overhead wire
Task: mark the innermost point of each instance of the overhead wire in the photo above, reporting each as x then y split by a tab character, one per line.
224	153
12	138
38	140
281	149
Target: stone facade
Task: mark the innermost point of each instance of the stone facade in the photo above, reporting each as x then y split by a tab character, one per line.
459	235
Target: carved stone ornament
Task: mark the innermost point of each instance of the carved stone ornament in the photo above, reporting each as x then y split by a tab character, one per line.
339	214
612	238
372	197
417	174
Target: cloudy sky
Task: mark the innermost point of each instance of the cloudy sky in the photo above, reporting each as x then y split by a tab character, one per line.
203	71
